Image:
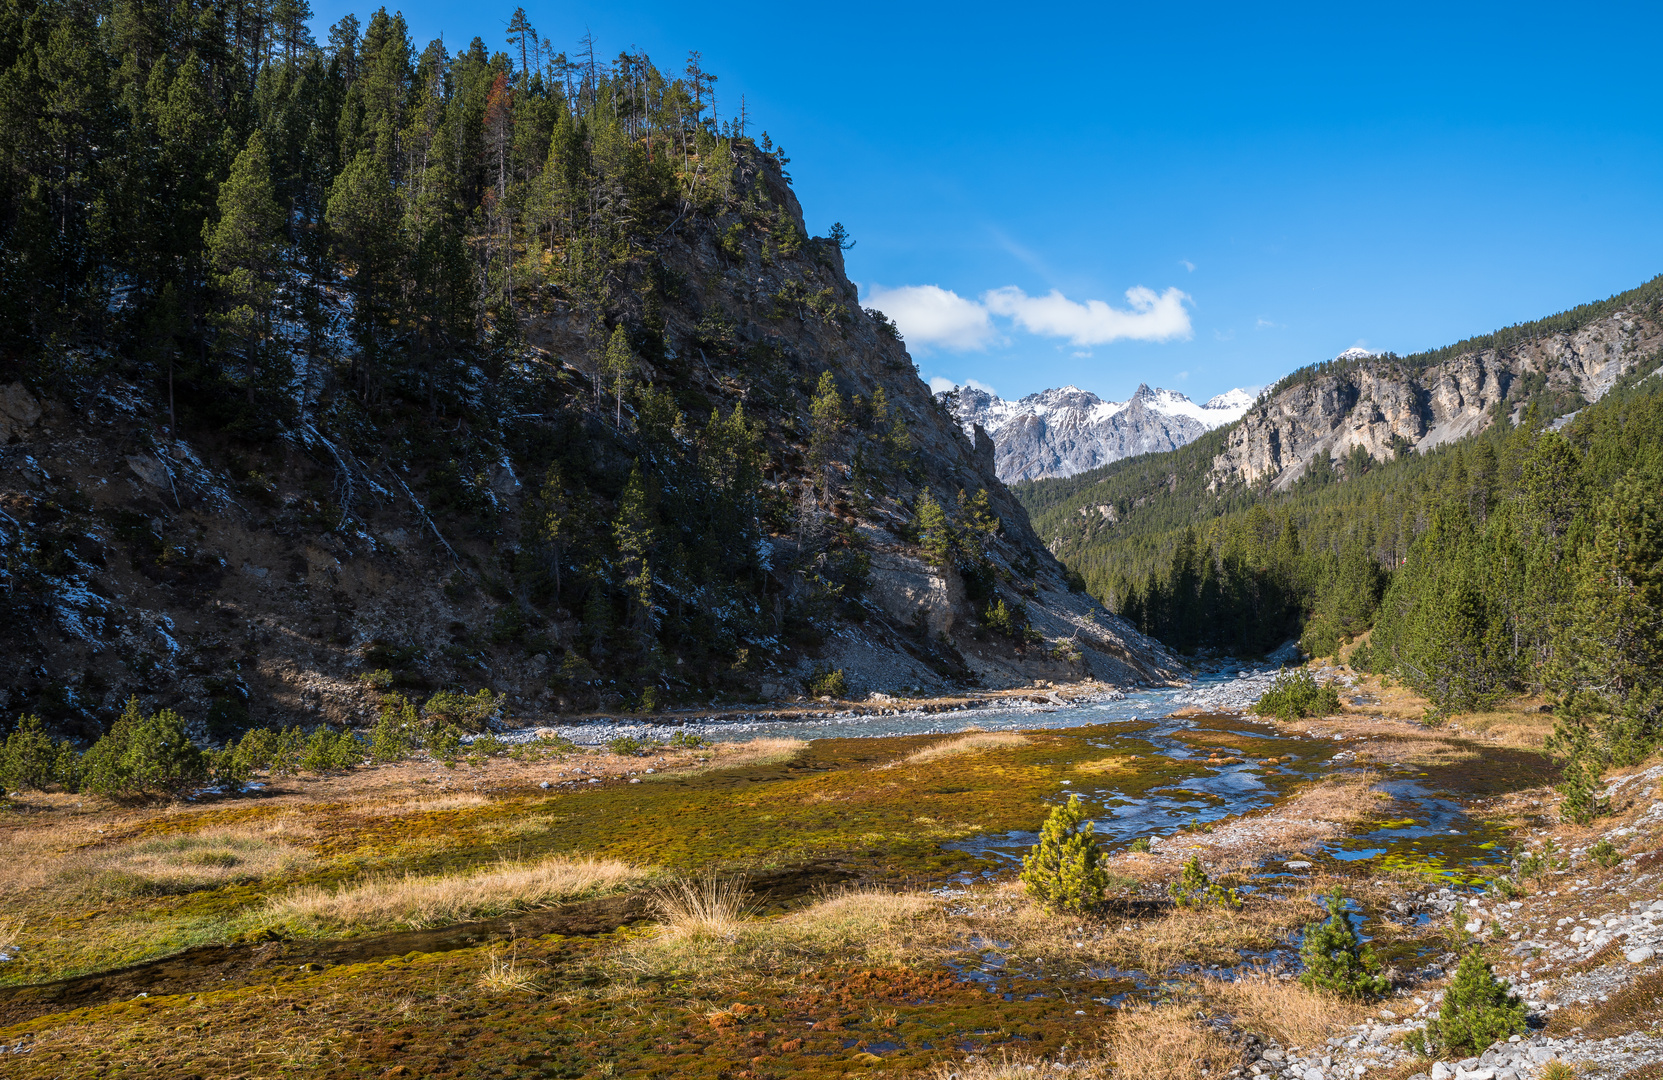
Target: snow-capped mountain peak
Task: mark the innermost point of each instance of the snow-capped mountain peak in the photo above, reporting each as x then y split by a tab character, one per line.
1066	430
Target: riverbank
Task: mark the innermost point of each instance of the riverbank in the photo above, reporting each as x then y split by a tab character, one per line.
888	933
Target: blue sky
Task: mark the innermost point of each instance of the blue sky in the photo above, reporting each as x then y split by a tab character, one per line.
1198	197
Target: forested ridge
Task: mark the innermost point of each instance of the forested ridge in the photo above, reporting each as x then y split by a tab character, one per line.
550	320
1526	558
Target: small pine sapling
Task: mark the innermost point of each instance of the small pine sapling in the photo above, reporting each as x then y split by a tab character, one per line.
1064	871
1337	960
1476	1012
1195	889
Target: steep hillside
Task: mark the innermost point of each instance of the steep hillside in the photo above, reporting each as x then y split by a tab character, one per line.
642	448
1298	515
1062	432
1383	405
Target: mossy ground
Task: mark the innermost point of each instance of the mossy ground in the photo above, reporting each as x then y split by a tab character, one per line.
982	971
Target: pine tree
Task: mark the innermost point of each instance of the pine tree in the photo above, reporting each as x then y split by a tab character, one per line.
634	532
827	419
242	249
1336	959
1063	871
619	368
1477	1010
935	535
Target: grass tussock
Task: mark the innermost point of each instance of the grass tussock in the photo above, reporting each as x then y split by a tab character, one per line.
1164	1042
968	743
707	925
1286	1011
419	902
704	908
756	752
507	974
184	863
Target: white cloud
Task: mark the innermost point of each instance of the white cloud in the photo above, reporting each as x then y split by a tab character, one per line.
1153	317
939	385
929	315
1263	323
1187	265
1183	376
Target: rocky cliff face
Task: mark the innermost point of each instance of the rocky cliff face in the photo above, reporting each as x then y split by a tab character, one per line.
1384	406
1068	430
267	584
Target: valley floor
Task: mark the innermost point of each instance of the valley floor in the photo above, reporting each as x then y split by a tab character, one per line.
784	908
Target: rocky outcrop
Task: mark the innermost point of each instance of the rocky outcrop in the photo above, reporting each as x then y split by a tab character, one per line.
1068	430
1385	406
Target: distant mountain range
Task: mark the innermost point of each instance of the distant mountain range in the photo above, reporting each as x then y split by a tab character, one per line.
1065	431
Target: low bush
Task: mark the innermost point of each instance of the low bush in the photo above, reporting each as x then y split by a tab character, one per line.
30	757
143	754
1140	844
1605	854
1195	889
683	740
1295	694
470	712
1064	871
626	746
1010	620
1336	959
271	750
331	751
1476	1012
398	733
826	682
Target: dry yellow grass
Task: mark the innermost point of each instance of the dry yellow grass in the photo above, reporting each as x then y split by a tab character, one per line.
436	900
1282	1009
756	752
707	907
968	743
707	926
1164	1042
507	974
1105	765
181	863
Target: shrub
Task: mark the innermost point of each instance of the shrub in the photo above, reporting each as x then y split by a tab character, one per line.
1010	620
470	712
275	751
397	733
1064	870
227	771
331	751
1140	844
1337	960
1295	694
1476	1012
444	741
380	679
486	745
143	755
1605	853
649	699
626	746
825	682
1362	657
685	740
1196	889
29	758
1584	797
